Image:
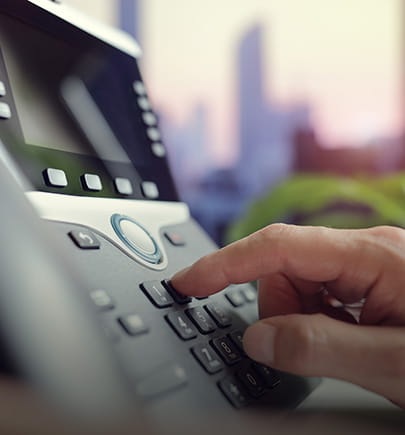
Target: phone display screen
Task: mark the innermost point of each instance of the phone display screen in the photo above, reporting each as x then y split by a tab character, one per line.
74	105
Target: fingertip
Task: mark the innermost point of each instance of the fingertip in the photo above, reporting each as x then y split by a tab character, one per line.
258	342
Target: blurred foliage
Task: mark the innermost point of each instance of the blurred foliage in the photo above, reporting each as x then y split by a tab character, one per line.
334	201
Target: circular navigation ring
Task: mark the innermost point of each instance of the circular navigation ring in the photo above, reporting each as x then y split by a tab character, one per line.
136	238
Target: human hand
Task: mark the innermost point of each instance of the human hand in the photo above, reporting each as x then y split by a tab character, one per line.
300	271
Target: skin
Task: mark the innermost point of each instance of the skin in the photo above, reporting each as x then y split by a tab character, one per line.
307	278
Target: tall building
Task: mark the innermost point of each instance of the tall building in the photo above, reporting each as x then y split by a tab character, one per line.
265	126
129	17
252	105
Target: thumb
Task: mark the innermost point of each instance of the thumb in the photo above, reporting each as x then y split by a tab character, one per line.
316	345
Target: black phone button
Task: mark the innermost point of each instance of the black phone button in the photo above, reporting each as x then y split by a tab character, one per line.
269	375
234	392
201	319
181	325
3	91
219	314
251	381
84	239
5	111
157	294
226	350
207	358
237	339
178	297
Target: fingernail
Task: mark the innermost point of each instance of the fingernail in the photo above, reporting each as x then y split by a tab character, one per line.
258	342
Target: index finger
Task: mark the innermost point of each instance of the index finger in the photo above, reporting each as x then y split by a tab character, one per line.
350	259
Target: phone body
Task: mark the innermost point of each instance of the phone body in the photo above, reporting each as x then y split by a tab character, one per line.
80	133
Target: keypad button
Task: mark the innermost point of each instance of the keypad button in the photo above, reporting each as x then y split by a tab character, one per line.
178	297
250	294
175	239
5	111
251	381
102	300
235	298
219	314
167	378
55	177
237	339
181	325
270	377
234	392
150	190
123	186
84	239
157	294
226	350
207	358
3	91
201	319
133	324
92	182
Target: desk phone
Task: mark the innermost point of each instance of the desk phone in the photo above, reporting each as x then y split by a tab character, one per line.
79	133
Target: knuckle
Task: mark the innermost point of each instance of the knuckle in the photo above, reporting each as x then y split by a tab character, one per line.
393	234
299	353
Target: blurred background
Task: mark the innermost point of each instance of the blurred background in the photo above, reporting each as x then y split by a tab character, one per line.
276	111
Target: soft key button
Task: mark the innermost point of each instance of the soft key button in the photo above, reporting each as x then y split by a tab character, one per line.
2	89
136	238
5	111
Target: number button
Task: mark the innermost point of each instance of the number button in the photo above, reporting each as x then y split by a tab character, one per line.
201	319
226	350
157	294
269	375
237	339
251	381
181	325
233	392
207	358
219	314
